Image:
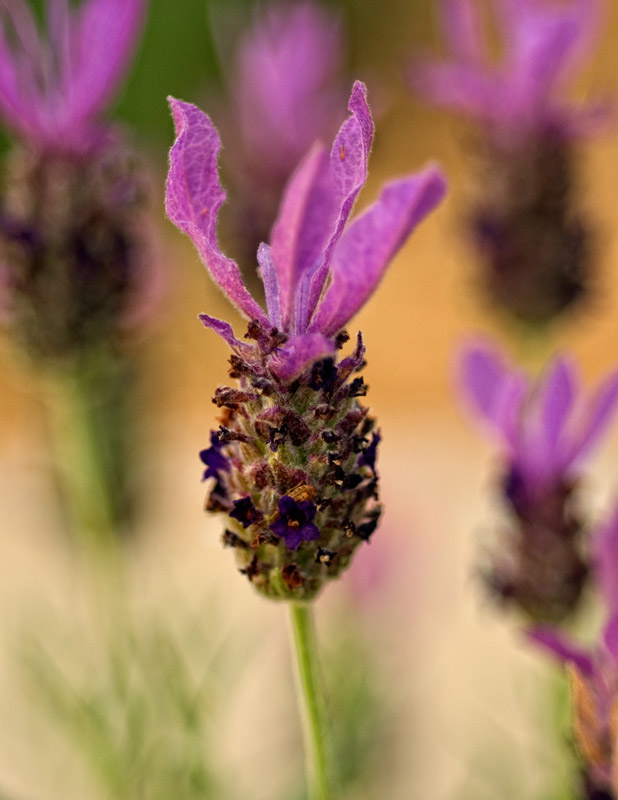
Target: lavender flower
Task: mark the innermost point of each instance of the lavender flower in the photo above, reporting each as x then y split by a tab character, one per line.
285	92
544	434
593	673
527	225
71	211
294	432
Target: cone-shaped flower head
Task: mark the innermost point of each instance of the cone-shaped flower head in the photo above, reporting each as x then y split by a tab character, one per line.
300	487
593	672
545	432
72	240
53	86
527	224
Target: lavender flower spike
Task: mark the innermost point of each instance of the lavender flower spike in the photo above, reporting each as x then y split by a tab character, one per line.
544	433
52	88
301	492
593	673
527	223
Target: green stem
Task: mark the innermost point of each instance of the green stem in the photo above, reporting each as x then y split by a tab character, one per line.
316	729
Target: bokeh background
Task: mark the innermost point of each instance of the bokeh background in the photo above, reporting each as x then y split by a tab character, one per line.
439	697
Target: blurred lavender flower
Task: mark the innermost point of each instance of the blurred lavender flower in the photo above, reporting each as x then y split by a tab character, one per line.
285	90
594	673
545	432
294	434
71	238
527	224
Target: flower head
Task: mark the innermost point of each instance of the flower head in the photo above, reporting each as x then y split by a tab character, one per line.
543	45
54	85
302	490
544	434
593	672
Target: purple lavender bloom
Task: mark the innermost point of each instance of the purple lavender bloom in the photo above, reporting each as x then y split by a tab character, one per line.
294	428
527	224
73	233
295	522
53	88
593	672
545	433
544	44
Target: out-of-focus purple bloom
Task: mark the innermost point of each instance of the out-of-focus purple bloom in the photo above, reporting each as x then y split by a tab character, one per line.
54	85
544	429
286	86
594	671
295	523
544	44
544	432
317	271
526	221
294	431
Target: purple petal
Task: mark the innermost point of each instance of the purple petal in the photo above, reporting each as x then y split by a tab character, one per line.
460	87
298	353
461	23
268	274
557	402
348	160
310	532
482	373
194	196
224	329
599	414
293	538
367	247
106	34
563	649
605	559
301	230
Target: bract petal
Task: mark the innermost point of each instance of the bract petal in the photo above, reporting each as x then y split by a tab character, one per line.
562	648
368	245
599	414
194	196
268	274
298	353
105	34
225	331
461	23
482	373
556	405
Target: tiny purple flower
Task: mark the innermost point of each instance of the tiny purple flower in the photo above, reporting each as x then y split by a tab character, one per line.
245	512
544	433
213	458
295	522
593	672
53	86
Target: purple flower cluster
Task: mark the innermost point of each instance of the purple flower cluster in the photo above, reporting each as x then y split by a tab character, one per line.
72	228
301	490
526	222
544	433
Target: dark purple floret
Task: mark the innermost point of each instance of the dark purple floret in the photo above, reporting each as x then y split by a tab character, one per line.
295	522
214	459
245	512
368	456
324	376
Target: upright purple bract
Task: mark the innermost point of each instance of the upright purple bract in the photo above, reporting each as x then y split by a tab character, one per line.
302	489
